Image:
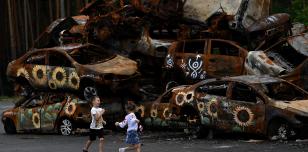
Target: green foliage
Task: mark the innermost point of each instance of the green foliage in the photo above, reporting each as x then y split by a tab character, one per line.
299	11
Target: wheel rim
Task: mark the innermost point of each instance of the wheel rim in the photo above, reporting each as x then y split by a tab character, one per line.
89	92
66	127
282	131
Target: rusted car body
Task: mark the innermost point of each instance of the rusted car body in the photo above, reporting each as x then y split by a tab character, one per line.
199	19
72	67
63	31
193	60
287	59
249	104
47	112
156	114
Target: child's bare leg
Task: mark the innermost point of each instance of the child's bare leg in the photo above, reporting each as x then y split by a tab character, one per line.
138	149
101	144
88	143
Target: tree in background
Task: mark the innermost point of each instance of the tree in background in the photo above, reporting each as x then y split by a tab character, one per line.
299	11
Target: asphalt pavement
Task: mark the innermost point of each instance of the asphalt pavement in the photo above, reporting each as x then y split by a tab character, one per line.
152	142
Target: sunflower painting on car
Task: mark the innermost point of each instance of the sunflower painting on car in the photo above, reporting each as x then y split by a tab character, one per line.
46	113
74	67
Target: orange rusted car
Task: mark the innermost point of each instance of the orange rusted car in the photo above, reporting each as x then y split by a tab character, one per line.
79	67
47	112
190	61
261	105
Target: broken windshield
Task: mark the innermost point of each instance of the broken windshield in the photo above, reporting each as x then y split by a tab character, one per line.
90	55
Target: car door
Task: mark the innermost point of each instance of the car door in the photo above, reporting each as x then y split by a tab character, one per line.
35	66
50	111
224	59
246	109
29	114
191	59
157	113
211	98
60	71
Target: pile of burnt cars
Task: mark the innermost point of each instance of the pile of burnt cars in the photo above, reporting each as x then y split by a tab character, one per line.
140	50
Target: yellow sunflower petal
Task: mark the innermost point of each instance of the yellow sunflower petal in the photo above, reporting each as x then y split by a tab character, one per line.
39	74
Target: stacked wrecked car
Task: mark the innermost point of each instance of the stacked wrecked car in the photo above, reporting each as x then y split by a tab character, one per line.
181	62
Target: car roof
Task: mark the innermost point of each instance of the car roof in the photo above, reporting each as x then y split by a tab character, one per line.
254	79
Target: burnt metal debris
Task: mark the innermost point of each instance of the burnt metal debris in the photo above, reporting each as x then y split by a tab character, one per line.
140	49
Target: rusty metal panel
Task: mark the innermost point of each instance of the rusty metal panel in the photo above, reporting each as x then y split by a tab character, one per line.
258	63
256	10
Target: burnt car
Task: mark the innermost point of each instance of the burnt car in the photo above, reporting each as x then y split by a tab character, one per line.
157	115
287	59
46	113
260	105
63	31
79	67
190	61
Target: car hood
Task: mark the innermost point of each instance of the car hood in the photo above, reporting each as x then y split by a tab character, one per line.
119	65
8	112
298	105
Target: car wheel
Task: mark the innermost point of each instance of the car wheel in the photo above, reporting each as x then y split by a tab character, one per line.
280	130
9	127
198	131
89	91
66	127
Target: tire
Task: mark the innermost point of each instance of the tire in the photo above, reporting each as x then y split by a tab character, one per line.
280	130
199	131
89	91
9	127
65	127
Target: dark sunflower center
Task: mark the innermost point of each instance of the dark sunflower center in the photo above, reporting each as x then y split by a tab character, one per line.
40	74
213	108
74	81
70	108
36	120
167	113
180	98
243	116
52	85
59	76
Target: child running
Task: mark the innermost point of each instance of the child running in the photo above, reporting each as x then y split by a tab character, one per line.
96	126
132	138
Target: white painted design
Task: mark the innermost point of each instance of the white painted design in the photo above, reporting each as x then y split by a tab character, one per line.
195	67
169	61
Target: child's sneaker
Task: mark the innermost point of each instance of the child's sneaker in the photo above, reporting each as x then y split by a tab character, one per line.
121	149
